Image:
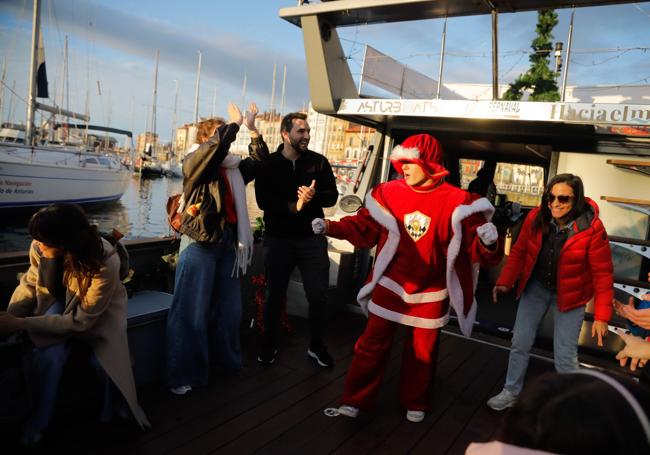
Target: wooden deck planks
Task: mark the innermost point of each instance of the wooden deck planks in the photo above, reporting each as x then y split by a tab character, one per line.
279	409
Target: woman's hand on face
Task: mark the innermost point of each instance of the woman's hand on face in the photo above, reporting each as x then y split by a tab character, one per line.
636	349
638	317
499	290
234	114
599	329
10	323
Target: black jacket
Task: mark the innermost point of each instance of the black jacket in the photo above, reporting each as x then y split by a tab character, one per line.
202	183
277	185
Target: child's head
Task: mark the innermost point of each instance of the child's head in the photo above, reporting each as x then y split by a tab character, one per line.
419	159
585	412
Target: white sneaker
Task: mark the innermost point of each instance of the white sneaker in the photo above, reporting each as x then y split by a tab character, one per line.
503	400
181	390
415	416
348	411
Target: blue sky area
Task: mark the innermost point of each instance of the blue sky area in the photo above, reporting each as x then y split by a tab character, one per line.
115	42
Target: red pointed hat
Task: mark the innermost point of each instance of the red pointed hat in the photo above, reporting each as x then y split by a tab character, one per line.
422	149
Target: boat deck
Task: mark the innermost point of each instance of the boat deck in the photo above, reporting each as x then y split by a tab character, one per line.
279	409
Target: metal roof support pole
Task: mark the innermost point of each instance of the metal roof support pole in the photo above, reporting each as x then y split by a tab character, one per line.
566	57
495	54
442	57
33	66
330	79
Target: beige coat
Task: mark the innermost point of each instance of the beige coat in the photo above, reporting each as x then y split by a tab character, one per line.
99	321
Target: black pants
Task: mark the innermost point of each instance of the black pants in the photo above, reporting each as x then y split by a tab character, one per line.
309	254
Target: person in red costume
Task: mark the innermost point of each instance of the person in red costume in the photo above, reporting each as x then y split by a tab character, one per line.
431	238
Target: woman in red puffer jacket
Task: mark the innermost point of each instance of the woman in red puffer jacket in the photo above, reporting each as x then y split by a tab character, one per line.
562	260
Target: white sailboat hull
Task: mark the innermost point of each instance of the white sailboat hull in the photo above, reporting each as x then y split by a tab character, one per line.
40	176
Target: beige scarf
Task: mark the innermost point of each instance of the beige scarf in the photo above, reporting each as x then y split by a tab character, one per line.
244	246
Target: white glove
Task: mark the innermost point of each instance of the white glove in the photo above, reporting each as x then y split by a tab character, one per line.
318	225
487	233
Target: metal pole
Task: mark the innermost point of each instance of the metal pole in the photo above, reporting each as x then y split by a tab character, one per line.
175	119
196	94
243	91
566	57
31	95
495	55
284	84
363	66
442	58
155	99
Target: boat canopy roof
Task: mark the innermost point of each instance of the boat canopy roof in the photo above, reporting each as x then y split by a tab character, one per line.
105	129
581	126
341	13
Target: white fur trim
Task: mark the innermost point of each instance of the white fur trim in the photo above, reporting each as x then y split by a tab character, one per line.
413	321
401	153
388	221
456	298
422	297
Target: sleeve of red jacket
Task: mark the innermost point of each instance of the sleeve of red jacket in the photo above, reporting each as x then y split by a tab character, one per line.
602	271
361	229
515	263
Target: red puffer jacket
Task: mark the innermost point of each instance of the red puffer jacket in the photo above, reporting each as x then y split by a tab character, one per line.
585	268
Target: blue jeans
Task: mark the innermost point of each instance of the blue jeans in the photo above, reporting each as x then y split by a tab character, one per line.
204	318
534	304
46	369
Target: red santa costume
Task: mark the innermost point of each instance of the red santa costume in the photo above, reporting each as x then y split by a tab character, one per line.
428	258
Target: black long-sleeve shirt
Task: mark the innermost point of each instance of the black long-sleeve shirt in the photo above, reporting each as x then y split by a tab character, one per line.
277	186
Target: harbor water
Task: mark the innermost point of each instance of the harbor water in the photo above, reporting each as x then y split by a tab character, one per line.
140	213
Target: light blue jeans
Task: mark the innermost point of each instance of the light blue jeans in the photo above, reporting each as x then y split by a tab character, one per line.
535	302
203	321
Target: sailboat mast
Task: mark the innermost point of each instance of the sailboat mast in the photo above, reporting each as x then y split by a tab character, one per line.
155	96
284	84
175	119
196	94
33	64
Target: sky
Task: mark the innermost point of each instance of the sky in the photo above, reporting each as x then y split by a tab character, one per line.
113	44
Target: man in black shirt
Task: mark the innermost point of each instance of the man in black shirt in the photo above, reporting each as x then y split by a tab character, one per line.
292	188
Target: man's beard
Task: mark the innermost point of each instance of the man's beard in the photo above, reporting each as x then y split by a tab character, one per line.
298	145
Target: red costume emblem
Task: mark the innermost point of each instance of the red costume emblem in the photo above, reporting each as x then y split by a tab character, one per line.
416	224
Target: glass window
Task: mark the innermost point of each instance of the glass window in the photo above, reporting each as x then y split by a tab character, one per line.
521	183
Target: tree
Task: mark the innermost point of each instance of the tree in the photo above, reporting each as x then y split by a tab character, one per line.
539	77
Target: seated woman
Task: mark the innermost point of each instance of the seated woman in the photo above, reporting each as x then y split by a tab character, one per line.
72	289
562	260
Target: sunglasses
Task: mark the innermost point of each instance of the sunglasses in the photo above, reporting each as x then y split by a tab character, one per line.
562	199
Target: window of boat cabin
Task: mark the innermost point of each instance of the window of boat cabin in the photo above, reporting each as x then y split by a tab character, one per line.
521	183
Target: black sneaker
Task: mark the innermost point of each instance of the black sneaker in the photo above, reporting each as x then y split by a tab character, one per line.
319	353
267	355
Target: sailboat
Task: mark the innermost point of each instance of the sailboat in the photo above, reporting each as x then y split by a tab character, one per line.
147	164
40	166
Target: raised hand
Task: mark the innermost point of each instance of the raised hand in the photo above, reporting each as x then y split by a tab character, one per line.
305	194
249	117
234	114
